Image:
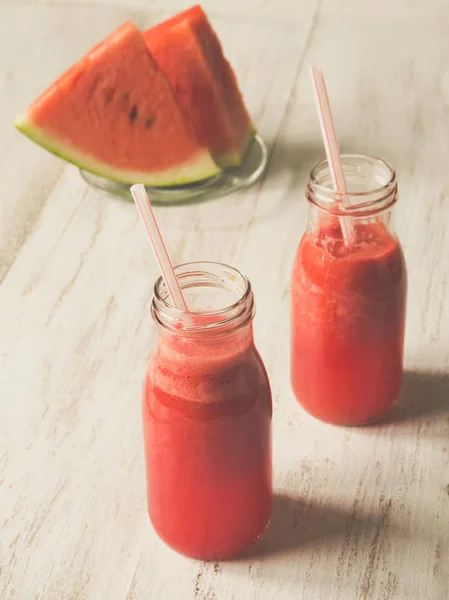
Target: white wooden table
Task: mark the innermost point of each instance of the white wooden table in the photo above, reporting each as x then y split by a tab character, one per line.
359	513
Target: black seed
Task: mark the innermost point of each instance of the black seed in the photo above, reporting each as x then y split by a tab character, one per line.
126	96
94	86
149	123
132	116
110	96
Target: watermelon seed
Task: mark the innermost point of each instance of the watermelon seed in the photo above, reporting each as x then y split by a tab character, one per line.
126	96
149	123
94	86
110	96
132	116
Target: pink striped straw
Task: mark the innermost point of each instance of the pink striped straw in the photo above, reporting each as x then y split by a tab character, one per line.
331	146
146	214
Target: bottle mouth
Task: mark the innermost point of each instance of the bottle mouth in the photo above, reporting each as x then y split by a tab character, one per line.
371	187
219	300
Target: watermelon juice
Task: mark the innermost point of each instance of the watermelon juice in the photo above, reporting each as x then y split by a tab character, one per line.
207	419
348	299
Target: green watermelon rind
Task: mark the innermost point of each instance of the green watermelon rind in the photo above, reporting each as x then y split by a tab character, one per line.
199	168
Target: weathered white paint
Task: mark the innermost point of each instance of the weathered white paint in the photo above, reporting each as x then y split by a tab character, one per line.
359	513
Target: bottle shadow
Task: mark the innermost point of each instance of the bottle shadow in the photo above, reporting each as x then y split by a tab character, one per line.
296	524
423	394
296	158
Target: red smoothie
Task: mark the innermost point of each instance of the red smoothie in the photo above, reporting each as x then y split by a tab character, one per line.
348	318
207	429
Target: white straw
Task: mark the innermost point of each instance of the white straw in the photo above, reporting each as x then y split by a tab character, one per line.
146	213
331	145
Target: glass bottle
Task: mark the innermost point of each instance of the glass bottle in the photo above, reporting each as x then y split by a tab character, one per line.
207	417
348	291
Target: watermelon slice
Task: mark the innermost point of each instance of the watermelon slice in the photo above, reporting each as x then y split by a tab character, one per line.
188	52
115	114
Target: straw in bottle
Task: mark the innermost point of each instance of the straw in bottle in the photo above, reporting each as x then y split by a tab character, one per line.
331	146
142	201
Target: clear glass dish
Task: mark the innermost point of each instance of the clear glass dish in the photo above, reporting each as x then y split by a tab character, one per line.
228	181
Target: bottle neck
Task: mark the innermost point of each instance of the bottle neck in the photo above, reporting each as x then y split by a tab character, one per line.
219	298
371	190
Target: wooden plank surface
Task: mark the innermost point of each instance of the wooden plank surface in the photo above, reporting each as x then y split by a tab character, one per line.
359	513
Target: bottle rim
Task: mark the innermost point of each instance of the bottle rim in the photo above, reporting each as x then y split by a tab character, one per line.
382	195
210	322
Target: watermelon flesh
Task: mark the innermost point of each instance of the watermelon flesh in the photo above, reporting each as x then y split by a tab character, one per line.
188	52
115	114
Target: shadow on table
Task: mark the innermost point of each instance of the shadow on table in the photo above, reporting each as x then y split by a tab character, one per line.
294	157
424	394
296	524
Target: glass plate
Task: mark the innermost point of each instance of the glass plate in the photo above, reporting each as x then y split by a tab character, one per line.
224	183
